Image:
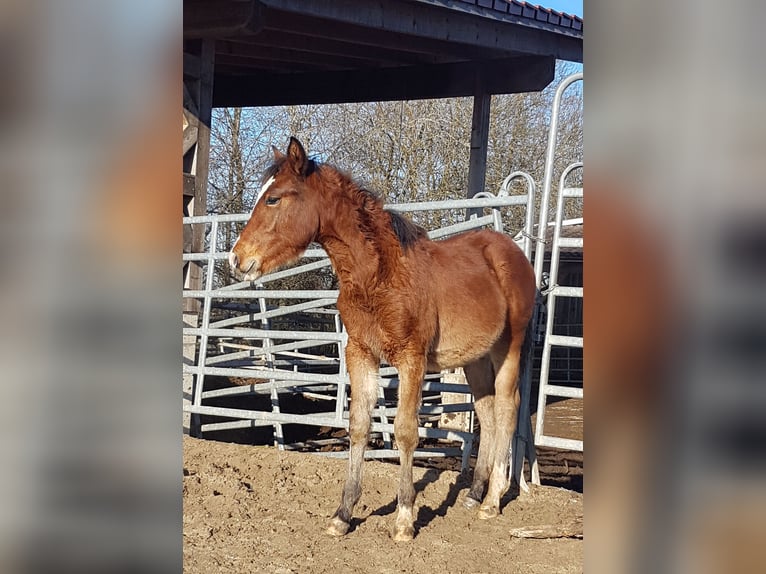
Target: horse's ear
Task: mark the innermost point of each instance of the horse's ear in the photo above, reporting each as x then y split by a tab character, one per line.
277	154
296	157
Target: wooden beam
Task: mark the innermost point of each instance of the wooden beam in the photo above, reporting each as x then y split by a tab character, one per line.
387	55
191	66
202	92
477	163
189	185
430	19
213	18
525	74
305	52
190	131
364	38
286	56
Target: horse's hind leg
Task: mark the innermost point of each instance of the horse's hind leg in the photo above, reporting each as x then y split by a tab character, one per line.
411	373
481	379
506	409
363	372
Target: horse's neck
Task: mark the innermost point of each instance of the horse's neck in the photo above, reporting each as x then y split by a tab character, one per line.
360	252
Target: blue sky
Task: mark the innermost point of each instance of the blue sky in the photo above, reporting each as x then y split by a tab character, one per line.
569	6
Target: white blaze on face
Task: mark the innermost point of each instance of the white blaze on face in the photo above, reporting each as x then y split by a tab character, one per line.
265	186
258	197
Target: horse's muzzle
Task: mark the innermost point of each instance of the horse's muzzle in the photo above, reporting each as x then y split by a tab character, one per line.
250	269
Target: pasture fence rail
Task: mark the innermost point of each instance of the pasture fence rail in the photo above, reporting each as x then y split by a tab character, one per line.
243	344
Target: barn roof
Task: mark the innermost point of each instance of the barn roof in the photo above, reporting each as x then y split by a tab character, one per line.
281	52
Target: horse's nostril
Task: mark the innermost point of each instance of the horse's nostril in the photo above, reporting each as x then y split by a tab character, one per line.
233	260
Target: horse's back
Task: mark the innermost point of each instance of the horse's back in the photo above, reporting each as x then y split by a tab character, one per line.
479	282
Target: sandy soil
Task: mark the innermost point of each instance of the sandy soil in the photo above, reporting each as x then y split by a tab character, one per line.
255	509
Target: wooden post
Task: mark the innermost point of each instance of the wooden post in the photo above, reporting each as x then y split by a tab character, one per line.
198	112
460	421
477	163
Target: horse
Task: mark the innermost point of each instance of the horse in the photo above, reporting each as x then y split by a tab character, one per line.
420	305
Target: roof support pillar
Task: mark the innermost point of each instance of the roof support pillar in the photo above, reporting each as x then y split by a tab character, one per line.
477	163
199	68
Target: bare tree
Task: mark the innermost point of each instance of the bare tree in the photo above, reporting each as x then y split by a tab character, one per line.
405	151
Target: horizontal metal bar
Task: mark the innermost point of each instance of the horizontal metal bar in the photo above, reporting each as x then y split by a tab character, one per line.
220	217
435	452
326	337
204	256
304	268
566	291
473	223
271	313
297	379
501	201
561	391
570	242
557	442
430	386
286	387
295	345
228	357
432	409
319	419
265	293
223	255
234	425
571	192
564	341
479	202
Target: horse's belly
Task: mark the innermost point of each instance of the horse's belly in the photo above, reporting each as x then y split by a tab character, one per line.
466	336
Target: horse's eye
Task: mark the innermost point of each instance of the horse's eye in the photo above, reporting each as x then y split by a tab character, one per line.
272	200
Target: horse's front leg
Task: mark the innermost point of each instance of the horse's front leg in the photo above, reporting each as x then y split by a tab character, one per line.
411	373
363	371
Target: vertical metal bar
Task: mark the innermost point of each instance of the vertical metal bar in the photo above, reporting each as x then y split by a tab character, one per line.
207	301
266	342
529	220
523	438
553	281
383	417
529	227
548	174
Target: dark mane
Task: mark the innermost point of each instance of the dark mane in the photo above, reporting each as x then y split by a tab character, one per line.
406	231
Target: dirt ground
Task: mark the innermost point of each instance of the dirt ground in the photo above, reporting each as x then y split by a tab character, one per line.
256	509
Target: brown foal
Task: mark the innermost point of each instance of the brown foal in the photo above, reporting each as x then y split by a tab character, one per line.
419	304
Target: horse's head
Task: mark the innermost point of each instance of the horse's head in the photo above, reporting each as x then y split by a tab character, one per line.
284	220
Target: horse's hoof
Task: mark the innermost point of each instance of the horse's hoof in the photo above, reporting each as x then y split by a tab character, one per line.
403	533
470	503
488	512
337	527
